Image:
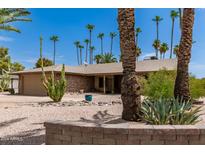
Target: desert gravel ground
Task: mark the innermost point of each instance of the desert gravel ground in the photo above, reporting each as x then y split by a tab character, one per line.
21	118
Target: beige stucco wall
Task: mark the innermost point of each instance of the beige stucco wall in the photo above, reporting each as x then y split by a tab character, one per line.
31	84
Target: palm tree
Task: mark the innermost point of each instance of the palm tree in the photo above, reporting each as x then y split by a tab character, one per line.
98	58
108	58
90	29
173	15
81	47
54	38
156	45
86	41
112	36
100	36
9	15
137	31
157	19
92	48
163	49
181	89
77	43
130	88
176	49
138	52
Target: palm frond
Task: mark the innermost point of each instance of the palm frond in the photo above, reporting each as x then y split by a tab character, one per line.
9	28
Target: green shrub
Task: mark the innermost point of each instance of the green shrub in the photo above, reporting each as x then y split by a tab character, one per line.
160	84
169	111
11	91
4	82
55	88
197	87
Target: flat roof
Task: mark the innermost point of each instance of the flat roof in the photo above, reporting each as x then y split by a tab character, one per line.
109	68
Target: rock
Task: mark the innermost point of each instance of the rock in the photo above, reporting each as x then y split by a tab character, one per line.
116	102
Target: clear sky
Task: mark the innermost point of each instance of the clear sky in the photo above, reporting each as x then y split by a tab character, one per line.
69	25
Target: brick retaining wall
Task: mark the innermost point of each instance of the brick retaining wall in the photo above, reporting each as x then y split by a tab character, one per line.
76	133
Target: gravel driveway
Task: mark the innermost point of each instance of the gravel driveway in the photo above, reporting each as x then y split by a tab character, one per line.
21	120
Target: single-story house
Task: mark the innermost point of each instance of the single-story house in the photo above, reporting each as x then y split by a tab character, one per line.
88	78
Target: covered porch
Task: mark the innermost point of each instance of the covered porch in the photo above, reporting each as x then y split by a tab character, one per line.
108	84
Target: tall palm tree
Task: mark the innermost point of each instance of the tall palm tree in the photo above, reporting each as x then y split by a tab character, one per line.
157	19
156	45
86	41
176	49
92	48
77	43
54	38
163	49
100	36
138	52
9	15
90	29
137	31
181	89
174	14
112	36
81	47
130	88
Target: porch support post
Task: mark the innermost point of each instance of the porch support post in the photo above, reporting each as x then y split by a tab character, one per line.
104	84
113	85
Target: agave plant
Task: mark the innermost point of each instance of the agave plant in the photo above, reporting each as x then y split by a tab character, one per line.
169	111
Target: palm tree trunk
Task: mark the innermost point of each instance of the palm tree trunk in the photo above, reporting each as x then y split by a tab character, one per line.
91	56
86	53
163	55
181	89
111	45
90	47
54	54
180	17
172	34
77	55
130	89
101	46
80	56
157	51
136	40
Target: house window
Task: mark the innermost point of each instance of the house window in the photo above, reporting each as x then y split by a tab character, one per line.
100	82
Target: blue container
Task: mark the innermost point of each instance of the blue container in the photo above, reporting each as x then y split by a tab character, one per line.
88	98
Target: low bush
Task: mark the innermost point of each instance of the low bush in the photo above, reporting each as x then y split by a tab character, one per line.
4	82
197	87
165	111
159	84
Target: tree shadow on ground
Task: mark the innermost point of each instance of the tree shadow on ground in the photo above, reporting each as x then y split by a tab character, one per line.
103	117
31	137
9	122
